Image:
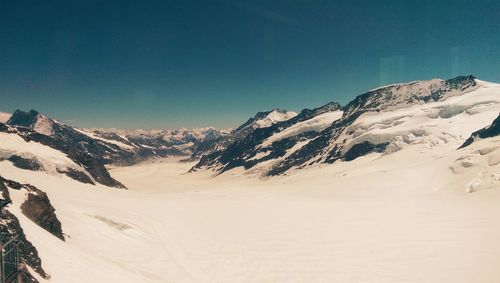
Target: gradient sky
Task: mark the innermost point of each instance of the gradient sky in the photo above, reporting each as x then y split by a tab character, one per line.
164	64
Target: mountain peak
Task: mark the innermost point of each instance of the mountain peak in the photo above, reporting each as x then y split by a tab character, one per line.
23	119
267	118
461	82
32	120
417	92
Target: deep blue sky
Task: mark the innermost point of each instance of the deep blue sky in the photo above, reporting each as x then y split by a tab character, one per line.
161	64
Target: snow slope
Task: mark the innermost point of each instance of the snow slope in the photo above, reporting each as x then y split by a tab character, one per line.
430	112
422	210
51	159
404	217
451	120
94	136
181	141
4	117
381	120
274	117
317	124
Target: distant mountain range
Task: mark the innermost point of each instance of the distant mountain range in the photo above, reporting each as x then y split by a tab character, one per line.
383	120
91	150
272	142
452	114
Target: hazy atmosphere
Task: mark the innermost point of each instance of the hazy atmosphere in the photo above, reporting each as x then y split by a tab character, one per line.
165	64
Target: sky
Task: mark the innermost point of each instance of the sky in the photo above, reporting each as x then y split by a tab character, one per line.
170	64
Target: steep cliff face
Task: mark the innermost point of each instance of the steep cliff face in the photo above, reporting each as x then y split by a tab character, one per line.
344	135
38	208
382	120
250	143
208	152
10	228
486	132
94	149
85	154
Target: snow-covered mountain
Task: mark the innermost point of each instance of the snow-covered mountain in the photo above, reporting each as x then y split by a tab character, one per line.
120	146
36	207
36	150
383	120
175	141
489	131
71	219
260	120
31	140
266	119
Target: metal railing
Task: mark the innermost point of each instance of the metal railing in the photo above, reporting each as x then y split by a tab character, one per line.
9	261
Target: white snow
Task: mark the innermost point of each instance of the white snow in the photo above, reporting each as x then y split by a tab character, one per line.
44	125
274	117
317	124
167	134
425	213
403	94
184	146
4	117
429	82
448	121
260	155
94	136
50	158
405	217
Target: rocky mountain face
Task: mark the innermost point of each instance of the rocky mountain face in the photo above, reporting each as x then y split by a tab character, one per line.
244	145
94	149
341	140
490	131
331	132
276	142
82	150
36	207
260	120
161	143
76	141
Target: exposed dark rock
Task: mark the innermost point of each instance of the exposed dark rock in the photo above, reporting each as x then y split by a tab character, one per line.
77	175
25	163
10	227
157	144
461	82
235	149
487	132
11	184
24	119
207	154
373	101
363	148
327	146
37	207
94	151
4	190
80	154
80	148
314	148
